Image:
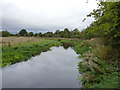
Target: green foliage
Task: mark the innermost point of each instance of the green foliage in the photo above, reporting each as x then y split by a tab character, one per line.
37	34
107	22
23	32
66	33
11	55
59	34
67	43
48	34
104	52
30	34
75	33
5	33
98	68
106	81
82	47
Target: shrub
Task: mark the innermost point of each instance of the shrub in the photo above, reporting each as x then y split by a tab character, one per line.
104	52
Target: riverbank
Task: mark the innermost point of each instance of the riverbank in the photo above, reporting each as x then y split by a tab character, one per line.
23	51
100	67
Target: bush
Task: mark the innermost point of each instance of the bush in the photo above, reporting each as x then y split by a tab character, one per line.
103	52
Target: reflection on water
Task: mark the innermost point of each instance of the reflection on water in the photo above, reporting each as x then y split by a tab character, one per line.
66	45
52	69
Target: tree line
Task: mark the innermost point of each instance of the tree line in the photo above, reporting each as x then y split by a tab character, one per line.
66	33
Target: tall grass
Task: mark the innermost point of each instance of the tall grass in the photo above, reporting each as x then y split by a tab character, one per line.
11	41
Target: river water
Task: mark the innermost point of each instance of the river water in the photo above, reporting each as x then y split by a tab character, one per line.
56	68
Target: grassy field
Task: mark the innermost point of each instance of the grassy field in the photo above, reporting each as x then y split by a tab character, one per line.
16	49
12	41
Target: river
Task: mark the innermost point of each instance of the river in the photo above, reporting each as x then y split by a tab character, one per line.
56	68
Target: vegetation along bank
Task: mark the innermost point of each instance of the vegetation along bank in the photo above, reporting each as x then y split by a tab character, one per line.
22	49
100	65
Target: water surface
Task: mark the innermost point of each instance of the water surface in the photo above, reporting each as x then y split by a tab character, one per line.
52	69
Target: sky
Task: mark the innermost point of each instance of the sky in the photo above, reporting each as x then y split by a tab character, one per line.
45	15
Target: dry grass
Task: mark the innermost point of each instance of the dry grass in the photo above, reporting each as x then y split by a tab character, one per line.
11	41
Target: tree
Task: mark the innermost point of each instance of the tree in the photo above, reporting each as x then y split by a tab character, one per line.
48	34
66	33
40	34
36	34
75	33
30	34
107	23
62	34
5	33
23	32
57	33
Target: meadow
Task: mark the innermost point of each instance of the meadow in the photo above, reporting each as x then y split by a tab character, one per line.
17	49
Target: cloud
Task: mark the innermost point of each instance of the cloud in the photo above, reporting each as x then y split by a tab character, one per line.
45	15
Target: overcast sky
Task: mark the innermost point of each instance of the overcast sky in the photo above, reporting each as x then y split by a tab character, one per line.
45	15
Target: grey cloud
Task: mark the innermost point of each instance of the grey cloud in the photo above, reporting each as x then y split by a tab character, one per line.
15	18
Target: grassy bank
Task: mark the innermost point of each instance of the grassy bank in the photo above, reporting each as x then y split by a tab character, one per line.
17	52
100	67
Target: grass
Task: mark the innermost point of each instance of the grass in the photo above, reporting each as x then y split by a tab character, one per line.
12	41
108	81
99	67
24	51
82	48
